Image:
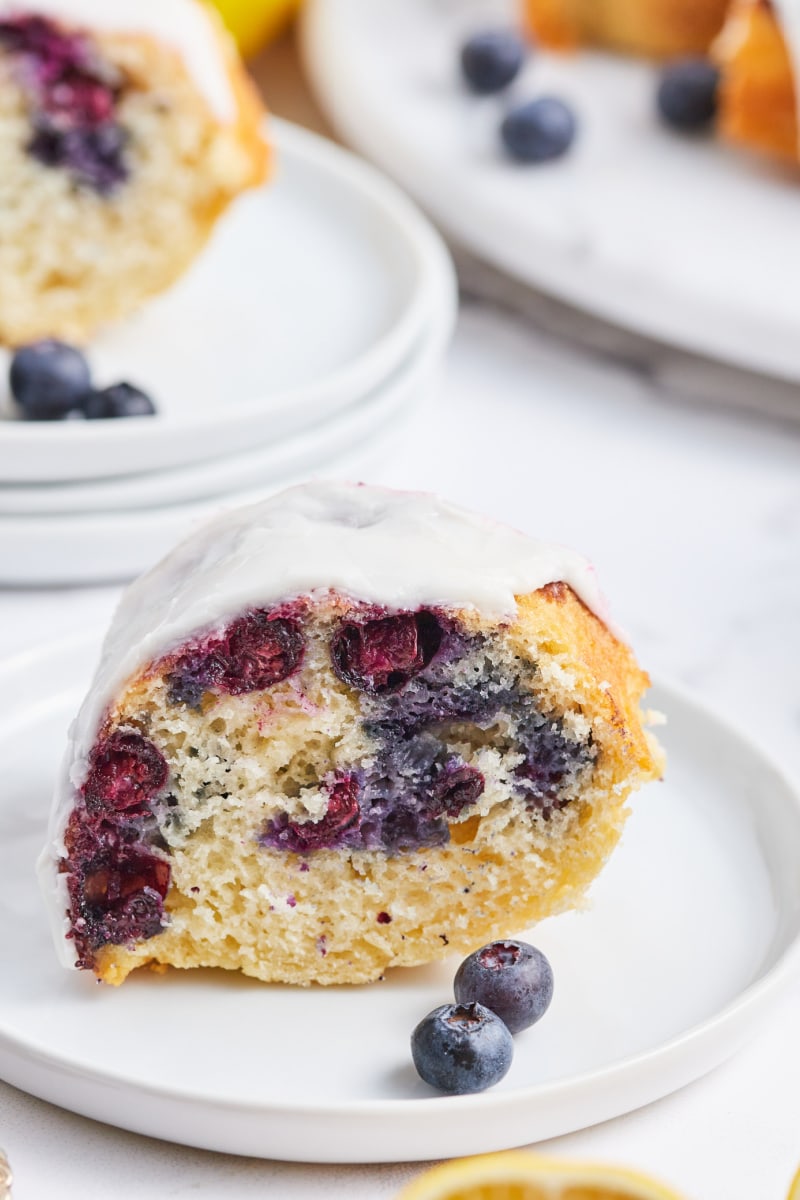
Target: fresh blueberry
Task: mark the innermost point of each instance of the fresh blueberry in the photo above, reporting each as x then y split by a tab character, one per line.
49	379
491	60
687	94
511	978
341	817
539	130
380	656
550	759
124	902
461	1048
253	653
93	154
458	787
119	400
125	771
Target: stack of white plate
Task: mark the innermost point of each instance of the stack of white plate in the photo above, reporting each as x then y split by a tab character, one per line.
310	327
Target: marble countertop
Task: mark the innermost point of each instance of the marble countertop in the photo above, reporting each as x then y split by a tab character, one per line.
691	512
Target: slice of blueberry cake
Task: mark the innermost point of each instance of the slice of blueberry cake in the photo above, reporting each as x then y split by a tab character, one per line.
126	128
343	730
657	28
759	57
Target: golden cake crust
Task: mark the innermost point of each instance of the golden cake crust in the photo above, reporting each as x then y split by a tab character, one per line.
655	28
758	106
498	874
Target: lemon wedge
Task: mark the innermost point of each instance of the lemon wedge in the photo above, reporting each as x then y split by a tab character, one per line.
255	22
794	1190
520	1176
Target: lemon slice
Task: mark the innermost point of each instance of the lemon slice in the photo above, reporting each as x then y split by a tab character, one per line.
255	22
520	1176
794	1190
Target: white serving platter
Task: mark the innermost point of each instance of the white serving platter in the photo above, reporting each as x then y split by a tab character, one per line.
312	293
692	930
684	240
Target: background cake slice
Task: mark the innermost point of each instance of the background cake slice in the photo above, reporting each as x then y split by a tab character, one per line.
759	53
126	129
343	730
659	28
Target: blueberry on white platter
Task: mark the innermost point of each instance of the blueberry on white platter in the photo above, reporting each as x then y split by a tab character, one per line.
119	400
461	1048
539	130
511	978
688	93
49	379
491	60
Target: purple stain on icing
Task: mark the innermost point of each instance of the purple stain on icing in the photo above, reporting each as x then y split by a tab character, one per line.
291	901
74	102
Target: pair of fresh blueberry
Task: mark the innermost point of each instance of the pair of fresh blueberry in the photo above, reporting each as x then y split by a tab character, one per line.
51	381
500	990
534	132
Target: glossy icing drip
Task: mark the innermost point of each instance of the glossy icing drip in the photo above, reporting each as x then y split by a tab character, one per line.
183	24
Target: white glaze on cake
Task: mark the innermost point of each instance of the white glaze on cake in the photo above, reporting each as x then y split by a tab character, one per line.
184	24
403	550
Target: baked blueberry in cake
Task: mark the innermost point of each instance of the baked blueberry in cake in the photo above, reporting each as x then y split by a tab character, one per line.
759	56
343	730
126	129
658	28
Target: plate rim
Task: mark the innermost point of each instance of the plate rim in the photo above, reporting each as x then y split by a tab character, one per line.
726	1020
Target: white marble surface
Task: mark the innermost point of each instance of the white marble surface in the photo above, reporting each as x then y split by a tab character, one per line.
692	516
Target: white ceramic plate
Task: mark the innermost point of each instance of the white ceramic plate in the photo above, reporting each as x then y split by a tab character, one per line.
91	547
693	926
683	240
309	450
313	291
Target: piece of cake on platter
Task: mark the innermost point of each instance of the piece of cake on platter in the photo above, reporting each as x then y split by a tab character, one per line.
658	28
126	129
759	56
343	730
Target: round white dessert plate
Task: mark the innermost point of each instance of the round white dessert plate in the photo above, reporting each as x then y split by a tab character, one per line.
312	292
320	446
98	546
693	927
684	240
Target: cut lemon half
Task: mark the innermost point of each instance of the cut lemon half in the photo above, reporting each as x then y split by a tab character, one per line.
255	22
520	1176
794	1190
